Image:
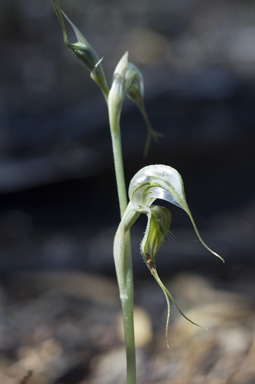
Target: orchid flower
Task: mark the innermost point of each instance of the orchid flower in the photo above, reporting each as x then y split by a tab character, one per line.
150	183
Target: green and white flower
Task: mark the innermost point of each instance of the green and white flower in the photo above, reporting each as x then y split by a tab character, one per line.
149	184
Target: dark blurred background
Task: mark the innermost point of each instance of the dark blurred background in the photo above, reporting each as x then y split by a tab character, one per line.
58	201
56	175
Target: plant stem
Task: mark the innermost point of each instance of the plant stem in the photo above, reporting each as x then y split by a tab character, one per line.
119	172
123	257
128	315
126	289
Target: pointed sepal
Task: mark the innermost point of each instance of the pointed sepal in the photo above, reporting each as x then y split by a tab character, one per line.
82	49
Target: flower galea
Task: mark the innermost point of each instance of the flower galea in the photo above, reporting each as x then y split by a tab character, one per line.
149	184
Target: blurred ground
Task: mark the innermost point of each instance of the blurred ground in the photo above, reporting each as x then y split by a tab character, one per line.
59	306
65	328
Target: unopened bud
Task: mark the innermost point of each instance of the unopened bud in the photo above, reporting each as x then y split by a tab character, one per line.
134	84
83	50
135	91
117	94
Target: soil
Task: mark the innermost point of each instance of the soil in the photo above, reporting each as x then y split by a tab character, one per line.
64	327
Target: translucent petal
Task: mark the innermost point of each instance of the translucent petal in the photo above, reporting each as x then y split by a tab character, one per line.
161	182
157	182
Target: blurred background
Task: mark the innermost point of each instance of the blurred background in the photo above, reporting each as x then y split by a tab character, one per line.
58	203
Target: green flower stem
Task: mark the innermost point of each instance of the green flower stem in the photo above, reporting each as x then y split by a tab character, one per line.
128	313
119	170
124	272
122	248
124	269
122	252
123	263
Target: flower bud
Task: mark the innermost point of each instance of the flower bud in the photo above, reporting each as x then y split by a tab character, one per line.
117	94
83	50
134	84
135	91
